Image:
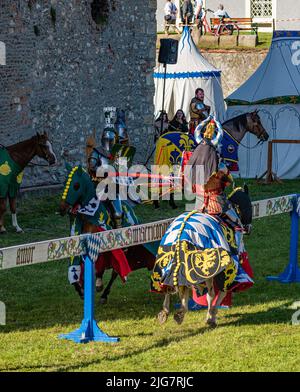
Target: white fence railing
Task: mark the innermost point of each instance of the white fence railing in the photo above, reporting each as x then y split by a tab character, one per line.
61	248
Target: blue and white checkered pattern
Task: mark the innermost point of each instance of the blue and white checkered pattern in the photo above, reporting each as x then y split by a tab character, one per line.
297	204
93	247
202	230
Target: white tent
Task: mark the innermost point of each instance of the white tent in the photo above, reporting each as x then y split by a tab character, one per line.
191	71
274	89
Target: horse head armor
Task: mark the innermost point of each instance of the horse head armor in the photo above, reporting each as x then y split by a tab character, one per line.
209	129
240	199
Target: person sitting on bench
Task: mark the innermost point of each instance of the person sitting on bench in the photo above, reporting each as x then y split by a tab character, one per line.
221	13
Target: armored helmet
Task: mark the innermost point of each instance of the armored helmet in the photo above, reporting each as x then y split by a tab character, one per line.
210	130
109	136
120	128
213	131
108	139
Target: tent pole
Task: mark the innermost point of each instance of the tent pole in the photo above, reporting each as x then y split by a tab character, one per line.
163	100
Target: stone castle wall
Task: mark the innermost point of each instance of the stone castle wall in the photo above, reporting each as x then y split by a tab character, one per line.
62	69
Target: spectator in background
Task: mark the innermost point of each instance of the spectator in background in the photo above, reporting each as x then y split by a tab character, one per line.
198	11
187	12
170	15
179	122
221	13
161	127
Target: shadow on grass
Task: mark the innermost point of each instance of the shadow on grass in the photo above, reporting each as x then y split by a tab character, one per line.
163	342
276	315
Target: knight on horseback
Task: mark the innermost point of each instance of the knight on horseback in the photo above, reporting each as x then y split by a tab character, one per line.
210	189
95	210
203	250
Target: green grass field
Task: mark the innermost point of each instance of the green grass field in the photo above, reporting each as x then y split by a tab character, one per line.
254	335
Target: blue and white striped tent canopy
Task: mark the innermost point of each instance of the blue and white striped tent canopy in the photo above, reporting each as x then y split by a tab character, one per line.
191	71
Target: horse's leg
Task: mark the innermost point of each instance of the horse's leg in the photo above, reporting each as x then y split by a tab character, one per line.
172	201
13	210
2	213
211	311
162	316
221	296
156	203
103	298
184	298
99	272
99	282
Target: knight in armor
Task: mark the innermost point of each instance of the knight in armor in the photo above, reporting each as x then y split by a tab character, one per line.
210	190
198	110
113	134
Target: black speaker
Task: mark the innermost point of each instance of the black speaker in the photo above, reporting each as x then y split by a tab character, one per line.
168	51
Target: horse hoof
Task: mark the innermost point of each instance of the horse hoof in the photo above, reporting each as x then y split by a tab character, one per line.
211	323
20	231
99	285
178	317
3	232
162	317
103	301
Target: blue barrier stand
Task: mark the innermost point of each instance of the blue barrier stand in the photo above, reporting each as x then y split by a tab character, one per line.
89	330
291	274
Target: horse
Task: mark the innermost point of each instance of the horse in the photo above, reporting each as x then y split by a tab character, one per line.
199	251
13	160
91	217
170	146
234	132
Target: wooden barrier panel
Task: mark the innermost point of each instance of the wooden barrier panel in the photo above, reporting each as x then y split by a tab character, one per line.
61	248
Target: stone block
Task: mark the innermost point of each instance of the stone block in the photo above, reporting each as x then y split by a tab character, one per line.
196	36
248	41
228	41
2	53
208	41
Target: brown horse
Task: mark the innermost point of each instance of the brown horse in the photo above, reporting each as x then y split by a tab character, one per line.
16	157
80	191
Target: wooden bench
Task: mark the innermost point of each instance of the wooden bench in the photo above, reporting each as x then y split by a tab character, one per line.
238	24
265	24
